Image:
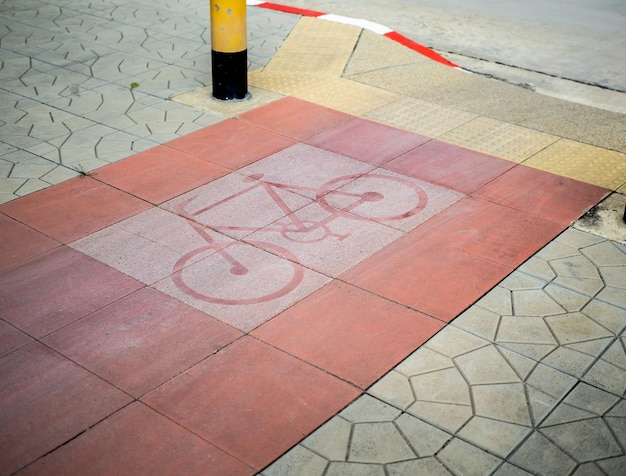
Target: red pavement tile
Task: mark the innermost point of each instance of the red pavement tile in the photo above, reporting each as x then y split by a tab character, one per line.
73	209
55	289
349	332
19	242
137	440
142	341
231	143
453	167
295	118
47	400
544	194
252	400
490	230
368	141
11	338
427	276
159	174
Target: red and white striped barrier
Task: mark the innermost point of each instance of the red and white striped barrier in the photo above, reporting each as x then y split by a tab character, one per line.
365	24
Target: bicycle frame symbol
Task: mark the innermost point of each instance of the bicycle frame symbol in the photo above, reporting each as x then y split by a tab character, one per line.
351	197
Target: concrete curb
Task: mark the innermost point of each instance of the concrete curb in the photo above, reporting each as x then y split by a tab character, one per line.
365	24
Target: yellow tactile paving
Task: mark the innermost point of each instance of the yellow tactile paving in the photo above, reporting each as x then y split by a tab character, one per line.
498	138
322	64
284	83
349	96
587	163
317	47
420	117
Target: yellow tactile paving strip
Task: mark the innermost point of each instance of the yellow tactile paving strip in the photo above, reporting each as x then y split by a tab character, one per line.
587	163
288	84
498	138
349	96
316	47
420	117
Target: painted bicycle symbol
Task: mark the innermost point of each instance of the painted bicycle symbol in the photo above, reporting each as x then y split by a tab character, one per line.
354	197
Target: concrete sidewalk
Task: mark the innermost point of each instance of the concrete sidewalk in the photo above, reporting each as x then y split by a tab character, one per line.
374	266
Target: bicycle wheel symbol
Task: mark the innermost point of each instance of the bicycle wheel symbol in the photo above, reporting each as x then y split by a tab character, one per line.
370	197
238	273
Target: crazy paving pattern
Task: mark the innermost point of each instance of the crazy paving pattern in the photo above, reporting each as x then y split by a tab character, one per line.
82	86
529	380
294	243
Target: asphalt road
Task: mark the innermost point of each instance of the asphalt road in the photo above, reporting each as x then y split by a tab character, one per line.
573	49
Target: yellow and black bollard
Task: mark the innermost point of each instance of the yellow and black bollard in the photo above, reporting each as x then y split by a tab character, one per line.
229	49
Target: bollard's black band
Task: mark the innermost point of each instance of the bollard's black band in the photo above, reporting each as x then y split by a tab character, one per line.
230	74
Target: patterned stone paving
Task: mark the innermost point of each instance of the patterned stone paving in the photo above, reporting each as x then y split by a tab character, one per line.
529	380
65	72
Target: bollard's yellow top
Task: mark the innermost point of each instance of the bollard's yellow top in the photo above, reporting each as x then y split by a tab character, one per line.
228	26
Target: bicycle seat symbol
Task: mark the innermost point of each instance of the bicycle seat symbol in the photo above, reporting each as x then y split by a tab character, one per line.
353	197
